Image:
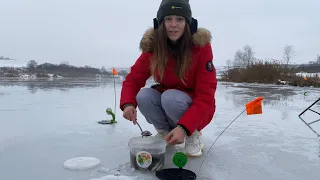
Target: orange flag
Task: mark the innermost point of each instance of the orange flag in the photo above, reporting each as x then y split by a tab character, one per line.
114	71
254	107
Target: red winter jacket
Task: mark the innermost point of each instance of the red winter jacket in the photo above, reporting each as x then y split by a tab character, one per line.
201	80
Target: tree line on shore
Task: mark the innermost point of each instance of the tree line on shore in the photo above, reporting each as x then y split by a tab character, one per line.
245	67
63	69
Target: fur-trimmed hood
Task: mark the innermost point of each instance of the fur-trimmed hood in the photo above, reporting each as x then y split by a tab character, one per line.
200	38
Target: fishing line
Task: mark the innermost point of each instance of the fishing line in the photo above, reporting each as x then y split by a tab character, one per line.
179	148
319	146
218	138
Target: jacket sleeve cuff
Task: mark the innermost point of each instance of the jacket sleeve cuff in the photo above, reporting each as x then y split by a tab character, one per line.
185	129
128	104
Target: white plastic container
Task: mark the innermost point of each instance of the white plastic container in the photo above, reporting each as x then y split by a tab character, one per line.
147	153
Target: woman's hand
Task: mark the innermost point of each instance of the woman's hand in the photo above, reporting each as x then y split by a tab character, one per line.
130	113
176	136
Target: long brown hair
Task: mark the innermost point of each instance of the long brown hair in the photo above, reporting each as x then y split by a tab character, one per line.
182	55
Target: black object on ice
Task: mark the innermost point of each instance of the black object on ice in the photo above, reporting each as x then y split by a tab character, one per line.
180	160
308	124
105	122
176	174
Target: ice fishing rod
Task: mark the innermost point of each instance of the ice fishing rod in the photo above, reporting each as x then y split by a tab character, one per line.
109	110
115	94
218	138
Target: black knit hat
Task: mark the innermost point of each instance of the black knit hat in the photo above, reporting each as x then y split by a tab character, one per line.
175	7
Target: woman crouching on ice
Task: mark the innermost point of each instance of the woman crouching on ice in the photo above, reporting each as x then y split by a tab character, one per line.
179	57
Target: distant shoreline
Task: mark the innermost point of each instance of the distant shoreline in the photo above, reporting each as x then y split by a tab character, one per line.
54	71
62	79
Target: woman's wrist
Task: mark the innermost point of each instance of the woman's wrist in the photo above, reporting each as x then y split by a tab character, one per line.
126	105
183	129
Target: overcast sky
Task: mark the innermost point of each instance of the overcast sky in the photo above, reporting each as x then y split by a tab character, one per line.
107	32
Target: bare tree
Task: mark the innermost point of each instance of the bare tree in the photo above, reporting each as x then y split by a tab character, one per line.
103	70
32	65
288	53
248	54
245	57
64	63
317	61
229	63
239	59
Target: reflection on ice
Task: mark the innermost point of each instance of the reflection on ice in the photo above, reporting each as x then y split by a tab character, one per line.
44	124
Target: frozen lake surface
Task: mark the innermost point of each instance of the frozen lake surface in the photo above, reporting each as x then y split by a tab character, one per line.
43	124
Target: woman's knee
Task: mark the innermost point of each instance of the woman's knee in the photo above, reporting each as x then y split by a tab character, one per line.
175	100
147	95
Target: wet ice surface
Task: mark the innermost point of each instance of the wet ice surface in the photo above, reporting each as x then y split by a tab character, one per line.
43	125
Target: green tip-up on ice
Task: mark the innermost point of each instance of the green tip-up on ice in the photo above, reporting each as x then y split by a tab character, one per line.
180	160
112	121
